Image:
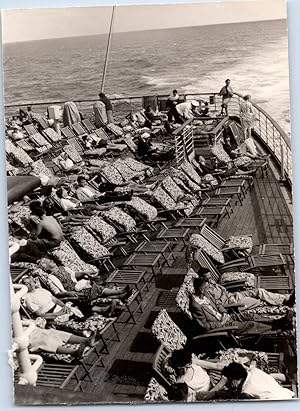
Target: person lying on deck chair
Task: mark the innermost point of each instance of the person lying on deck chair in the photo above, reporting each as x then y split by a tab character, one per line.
147	150
210	316
85	193
46	233
203	168
54	341
248	299
65	283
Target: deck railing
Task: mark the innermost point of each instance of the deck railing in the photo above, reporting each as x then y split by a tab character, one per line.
266	128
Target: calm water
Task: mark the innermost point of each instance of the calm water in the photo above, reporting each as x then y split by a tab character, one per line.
195	59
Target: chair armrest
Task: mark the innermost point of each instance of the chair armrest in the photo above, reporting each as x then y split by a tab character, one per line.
228	328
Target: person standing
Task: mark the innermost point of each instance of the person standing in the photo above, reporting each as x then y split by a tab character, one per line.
227	93
184	111
247	117
108	107
171	104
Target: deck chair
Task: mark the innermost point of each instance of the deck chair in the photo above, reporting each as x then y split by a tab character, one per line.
30	129
101	133
272	283
39	140
52	135
25	145
67	132
90	127
78	128
229	247
73	151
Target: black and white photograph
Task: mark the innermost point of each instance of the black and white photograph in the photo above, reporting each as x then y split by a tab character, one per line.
149	197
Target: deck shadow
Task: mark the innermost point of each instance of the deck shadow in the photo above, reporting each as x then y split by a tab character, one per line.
144	343
129	373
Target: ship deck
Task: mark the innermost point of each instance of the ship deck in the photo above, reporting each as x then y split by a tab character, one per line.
127	368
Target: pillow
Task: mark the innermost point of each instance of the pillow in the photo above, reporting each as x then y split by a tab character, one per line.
240	241
88	243
172	188
167	332
101	227
164	199
116	215
198	241
146	210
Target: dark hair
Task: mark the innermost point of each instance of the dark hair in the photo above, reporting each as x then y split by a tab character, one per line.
202	271
36	208
80	178
174	91
198	282
235	371
226	81
59	192
178	392
101	95
180	358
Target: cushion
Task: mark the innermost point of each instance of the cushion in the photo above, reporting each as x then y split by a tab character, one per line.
73	153
172	188
126	172
240	241
249	278
67	256
198	241
112	175
146	210
190	171
155	392
88	243
101	227
164	199
116	215
167	332
221	155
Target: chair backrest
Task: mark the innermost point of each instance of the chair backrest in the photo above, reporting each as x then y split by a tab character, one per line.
88	125
30	129
73	151
79	130
167	332
67	132
199	242
204	261
213	237
237	132
161	354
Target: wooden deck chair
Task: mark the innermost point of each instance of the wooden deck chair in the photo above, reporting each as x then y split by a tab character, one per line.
90	127
78	128
271	283
30	129
237	132
52	135
101	133
25	145
39	140
43	122
67	132
159	360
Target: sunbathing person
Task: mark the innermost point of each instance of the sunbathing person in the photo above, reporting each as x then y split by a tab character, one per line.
148	151
203	169
253	383
208	316
76	282
54	341
248	299
192	371
46	233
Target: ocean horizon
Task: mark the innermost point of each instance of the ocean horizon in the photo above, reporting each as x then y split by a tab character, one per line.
254	55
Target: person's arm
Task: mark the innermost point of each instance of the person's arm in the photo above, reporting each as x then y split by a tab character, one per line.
209	365
36	231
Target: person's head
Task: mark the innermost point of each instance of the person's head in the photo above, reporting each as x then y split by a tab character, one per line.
101	95
47	265
180	361
174	92
30	282
62	192
206	104
36	208
28	108
178	392
148	109
200	284
227	82
204	273
227	140
247	97
194	104
15	129
14	118
81	180
236	374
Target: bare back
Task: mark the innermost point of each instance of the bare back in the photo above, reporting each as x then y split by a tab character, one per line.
50	229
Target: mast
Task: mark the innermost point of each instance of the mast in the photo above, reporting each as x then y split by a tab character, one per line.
107	48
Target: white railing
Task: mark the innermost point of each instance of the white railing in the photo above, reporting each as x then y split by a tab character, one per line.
266	128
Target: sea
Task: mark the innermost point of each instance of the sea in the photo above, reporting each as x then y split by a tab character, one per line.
254	55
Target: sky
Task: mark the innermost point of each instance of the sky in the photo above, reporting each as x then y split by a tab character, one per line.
36	24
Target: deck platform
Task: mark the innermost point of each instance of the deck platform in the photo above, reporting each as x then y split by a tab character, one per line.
128	366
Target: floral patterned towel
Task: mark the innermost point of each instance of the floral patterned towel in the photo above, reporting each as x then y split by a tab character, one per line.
221	155
101	227
155	392
18	154
242	161
250	279
39	168
126	172
87	242
161	196
241	241
112	175
73	153
169	185
167	332
20	214
146	210
67	256
190	171
198	241
116	215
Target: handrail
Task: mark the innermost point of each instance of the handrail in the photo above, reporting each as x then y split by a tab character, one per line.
267	129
